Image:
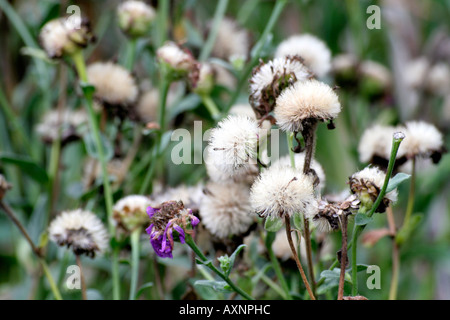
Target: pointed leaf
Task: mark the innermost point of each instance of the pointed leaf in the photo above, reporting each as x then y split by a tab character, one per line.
395	181
273	225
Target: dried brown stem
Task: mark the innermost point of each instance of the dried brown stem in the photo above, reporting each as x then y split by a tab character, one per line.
83	283
297	261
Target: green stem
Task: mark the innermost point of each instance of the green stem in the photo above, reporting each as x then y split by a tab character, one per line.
256	51
164	86
80	66
358	229
49	277
130	54
218	16
290	142
162	22
190	242
276	265
411	197
55	154
211	106
248	7
135	235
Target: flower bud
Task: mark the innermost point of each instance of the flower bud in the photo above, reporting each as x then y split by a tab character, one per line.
62	36
135	17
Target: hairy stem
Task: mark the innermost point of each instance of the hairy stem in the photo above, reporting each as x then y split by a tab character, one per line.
276	264
395	255
343	256
297	261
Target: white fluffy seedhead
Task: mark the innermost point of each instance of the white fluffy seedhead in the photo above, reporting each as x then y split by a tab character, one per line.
421	139
270	79
113	83
306	100
231	41
315	53
64	124
225	209
233	144
376	141
280	191
299	163
80	230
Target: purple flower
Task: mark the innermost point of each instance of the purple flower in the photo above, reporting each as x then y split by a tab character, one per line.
170	216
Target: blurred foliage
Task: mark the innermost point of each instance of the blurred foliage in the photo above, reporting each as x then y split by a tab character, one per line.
30	86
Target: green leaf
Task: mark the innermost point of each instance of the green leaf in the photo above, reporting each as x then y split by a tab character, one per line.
362	219
297	221
233	258
359	268
142	289
165	140
395	181
88	89
273	225
219	286
270	238
30	168
190	102
91	146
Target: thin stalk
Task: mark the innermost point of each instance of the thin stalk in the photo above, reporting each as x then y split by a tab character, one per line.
211	106
50	280
55	156
277	268
256	51
81	69
248	7
354	246
411	196
275	287
309	135
35	250
80	66
343	256
297	261
190	242
135	235
130	54
163	91
162	21
395	270
218	17
290	142
12	119
83	283
396	141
